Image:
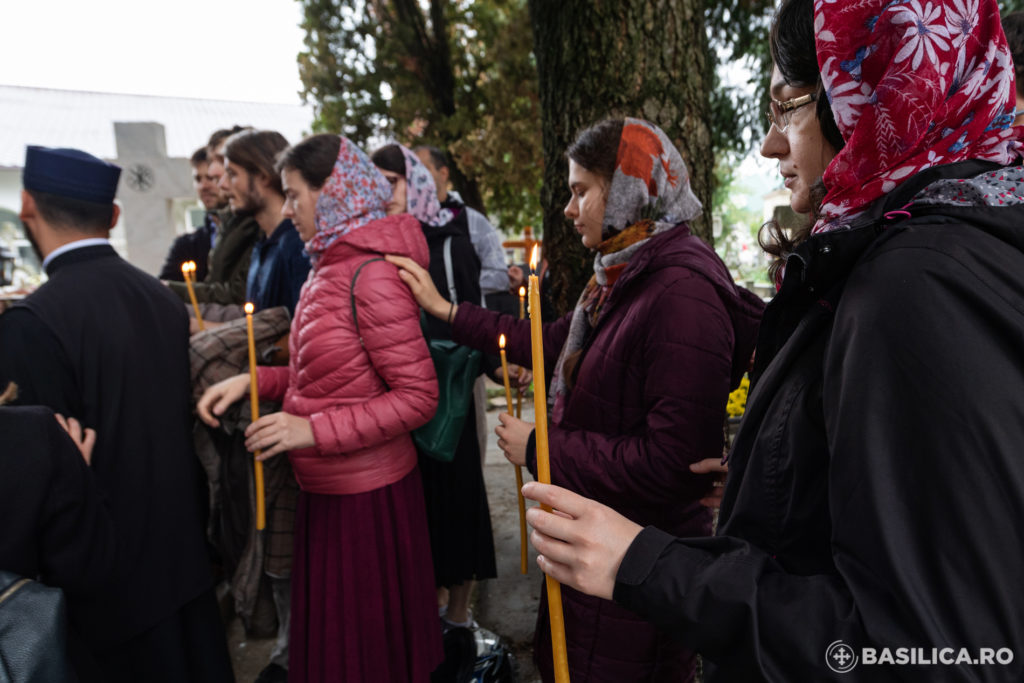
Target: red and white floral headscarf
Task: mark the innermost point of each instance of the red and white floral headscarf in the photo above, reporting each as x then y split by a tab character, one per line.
913	84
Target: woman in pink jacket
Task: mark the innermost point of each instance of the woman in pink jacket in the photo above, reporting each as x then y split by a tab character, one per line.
363	604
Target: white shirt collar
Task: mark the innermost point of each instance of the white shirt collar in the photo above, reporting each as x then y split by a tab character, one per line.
71	246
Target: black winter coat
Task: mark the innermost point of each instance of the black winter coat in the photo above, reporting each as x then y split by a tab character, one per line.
877	482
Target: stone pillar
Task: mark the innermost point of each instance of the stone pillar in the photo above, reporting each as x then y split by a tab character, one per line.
150	183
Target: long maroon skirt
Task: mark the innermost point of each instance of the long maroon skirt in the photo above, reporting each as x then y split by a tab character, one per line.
363	600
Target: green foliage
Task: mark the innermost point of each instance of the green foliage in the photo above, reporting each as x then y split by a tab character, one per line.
458	75
738	34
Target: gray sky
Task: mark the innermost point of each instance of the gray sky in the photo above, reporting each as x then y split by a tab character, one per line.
211	49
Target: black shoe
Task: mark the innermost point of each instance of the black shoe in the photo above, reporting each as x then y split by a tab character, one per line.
273	673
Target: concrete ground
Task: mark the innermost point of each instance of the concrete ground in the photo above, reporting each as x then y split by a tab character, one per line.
506	605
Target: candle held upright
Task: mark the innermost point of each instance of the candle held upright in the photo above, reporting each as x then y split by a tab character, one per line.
523	552
254	403
187	268
540	409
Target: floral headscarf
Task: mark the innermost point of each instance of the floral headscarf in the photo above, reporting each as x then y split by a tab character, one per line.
356	193
912	84
649	193
421	193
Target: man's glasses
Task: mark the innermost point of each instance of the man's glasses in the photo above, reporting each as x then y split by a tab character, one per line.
781	113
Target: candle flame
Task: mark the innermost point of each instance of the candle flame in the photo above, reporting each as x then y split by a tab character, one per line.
501	342
522	292
534	258
249	308
184	266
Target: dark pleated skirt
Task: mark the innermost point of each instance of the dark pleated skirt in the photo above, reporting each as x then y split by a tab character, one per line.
459	518
363	600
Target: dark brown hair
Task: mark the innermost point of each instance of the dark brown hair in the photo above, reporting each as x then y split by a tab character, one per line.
792	46
200	156
219	136
1013	27
313	158
437	157
256	151
390	158
597	148
68	213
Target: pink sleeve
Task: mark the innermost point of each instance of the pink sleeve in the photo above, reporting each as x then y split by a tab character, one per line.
272	382
389	322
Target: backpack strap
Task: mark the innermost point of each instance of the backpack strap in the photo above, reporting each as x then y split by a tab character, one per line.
449	272
352	297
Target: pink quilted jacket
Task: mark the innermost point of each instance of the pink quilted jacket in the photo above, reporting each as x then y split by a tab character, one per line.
362	403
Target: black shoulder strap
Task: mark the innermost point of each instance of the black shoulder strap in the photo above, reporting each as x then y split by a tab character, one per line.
352	297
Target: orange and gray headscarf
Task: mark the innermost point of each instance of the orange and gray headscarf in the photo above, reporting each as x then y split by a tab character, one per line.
649	193
912	84
356	193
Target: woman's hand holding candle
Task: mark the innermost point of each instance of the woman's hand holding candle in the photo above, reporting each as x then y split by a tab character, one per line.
583	543
513	435
278	432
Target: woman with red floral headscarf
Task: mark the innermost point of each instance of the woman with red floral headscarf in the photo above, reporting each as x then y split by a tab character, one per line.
359	380
870	520
640	373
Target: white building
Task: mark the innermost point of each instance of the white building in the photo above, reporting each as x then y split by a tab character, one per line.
151	138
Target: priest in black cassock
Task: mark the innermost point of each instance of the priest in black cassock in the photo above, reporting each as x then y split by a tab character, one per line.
103	342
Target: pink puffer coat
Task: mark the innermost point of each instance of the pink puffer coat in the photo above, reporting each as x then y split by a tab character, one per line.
362	403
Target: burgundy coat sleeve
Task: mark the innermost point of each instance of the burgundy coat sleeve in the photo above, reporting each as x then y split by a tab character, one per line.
479	328
681	352
389	323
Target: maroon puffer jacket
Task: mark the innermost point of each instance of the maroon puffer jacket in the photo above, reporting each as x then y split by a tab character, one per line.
674	335
362	403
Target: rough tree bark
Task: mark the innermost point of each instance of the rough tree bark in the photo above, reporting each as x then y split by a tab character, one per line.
613	58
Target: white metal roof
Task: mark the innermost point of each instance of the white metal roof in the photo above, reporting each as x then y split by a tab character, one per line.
85	120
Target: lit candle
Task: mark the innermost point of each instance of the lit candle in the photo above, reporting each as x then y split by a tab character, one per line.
254	402
540	411
523	559
187	268
519	392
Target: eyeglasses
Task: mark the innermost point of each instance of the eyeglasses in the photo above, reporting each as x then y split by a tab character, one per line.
781	113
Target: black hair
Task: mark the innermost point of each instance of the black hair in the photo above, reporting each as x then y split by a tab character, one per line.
1013	27
313	157
597	148
792	46
791	42
200	156
437	157
390	158
68	213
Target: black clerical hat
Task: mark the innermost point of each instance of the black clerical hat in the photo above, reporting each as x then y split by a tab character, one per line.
70	173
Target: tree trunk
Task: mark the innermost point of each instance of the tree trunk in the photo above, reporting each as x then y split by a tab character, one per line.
617	58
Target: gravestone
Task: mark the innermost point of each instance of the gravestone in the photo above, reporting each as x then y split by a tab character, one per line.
152	187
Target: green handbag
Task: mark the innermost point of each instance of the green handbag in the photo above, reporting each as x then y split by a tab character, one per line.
457	368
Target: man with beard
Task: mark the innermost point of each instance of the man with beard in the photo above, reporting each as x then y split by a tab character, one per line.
279	263
277	270
196	245
105	343
229	259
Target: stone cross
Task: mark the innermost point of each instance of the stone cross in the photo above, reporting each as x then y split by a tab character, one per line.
151	184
